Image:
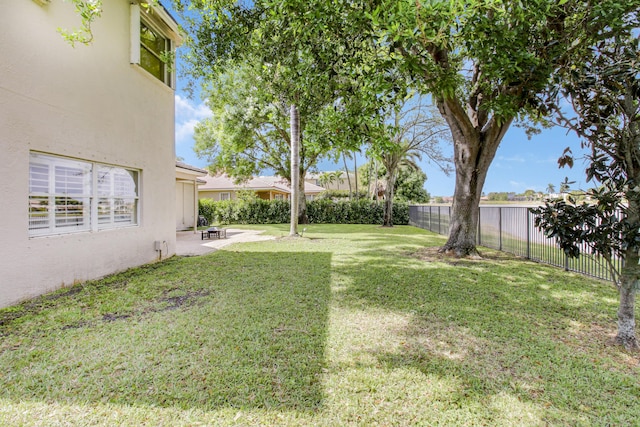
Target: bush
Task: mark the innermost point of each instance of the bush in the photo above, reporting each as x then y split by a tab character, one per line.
319	211
207	208
343	194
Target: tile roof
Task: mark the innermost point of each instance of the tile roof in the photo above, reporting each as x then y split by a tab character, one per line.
186	166
223	182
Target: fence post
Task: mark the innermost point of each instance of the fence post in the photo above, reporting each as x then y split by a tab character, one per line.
500	228
479	237
528	234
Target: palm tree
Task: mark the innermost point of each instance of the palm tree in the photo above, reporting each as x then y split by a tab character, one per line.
565	185
551	188
325	179
337	178
400	156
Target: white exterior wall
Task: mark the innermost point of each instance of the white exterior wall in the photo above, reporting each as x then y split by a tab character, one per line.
89	103
185	206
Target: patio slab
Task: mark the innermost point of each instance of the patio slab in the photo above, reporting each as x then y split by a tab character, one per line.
189	243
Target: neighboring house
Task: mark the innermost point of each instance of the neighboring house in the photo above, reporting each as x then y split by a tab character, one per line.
87	144
187	181
222	187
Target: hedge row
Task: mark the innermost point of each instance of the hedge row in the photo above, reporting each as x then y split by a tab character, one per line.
320	211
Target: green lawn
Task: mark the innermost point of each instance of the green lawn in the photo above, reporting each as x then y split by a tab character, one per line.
349	325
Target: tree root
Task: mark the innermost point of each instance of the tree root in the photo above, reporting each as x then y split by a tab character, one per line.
460	252
629	343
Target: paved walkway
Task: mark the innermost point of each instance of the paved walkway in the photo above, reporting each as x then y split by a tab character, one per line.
189	243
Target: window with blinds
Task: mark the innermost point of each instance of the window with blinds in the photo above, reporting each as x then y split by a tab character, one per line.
67	195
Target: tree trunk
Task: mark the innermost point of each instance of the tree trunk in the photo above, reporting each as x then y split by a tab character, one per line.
346	168
302	202
295	169
629	275
626	317
355	170
474	148
388	200
376	184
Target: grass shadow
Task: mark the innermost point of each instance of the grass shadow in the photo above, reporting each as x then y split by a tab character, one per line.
230	329
501	327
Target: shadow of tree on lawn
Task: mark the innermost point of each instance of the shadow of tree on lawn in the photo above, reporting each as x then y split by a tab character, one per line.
499	327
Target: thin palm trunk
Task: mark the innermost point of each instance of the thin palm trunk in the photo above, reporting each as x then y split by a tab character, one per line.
302	202
346	168
355	171
295	168
388	198
375	173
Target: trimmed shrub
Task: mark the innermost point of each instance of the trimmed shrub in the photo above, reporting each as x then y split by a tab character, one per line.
319	211
207	208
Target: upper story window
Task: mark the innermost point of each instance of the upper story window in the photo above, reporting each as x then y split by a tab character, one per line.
154	49
154	36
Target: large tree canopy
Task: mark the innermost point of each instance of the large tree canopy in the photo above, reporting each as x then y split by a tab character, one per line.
485	64
274	55
249	129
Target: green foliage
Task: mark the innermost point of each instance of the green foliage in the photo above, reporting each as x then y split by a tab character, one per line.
207	208
255	60
573	225
319	211
501	196
487	64
253	211
410	186
89	11
603	87
342	194
362	211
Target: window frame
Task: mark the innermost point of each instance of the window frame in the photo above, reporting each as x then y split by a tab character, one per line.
165	69
49	182
224	194
154	19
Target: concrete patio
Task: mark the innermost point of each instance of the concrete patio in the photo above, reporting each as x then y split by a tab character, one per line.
189	243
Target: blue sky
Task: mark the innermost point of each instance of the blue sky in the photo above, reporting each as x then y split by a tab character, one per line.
520	163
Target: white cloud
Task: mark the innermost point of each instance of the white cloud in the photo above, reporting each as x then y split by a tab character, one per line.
184	131
188	114
513	159
548	160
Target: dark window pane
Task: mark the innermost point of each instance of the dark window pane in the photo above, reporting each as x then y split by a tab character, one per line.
151	63
152	40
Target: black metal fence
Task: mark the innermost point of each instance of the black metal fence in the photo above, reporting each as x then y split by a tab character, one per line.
511	229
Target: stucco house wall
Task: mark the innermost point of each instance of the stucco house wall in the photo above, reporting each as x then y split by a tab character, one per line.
187	181
88	103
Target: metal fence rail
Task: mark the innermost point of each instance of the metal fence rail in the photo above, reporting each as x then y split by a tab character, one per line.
511	229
